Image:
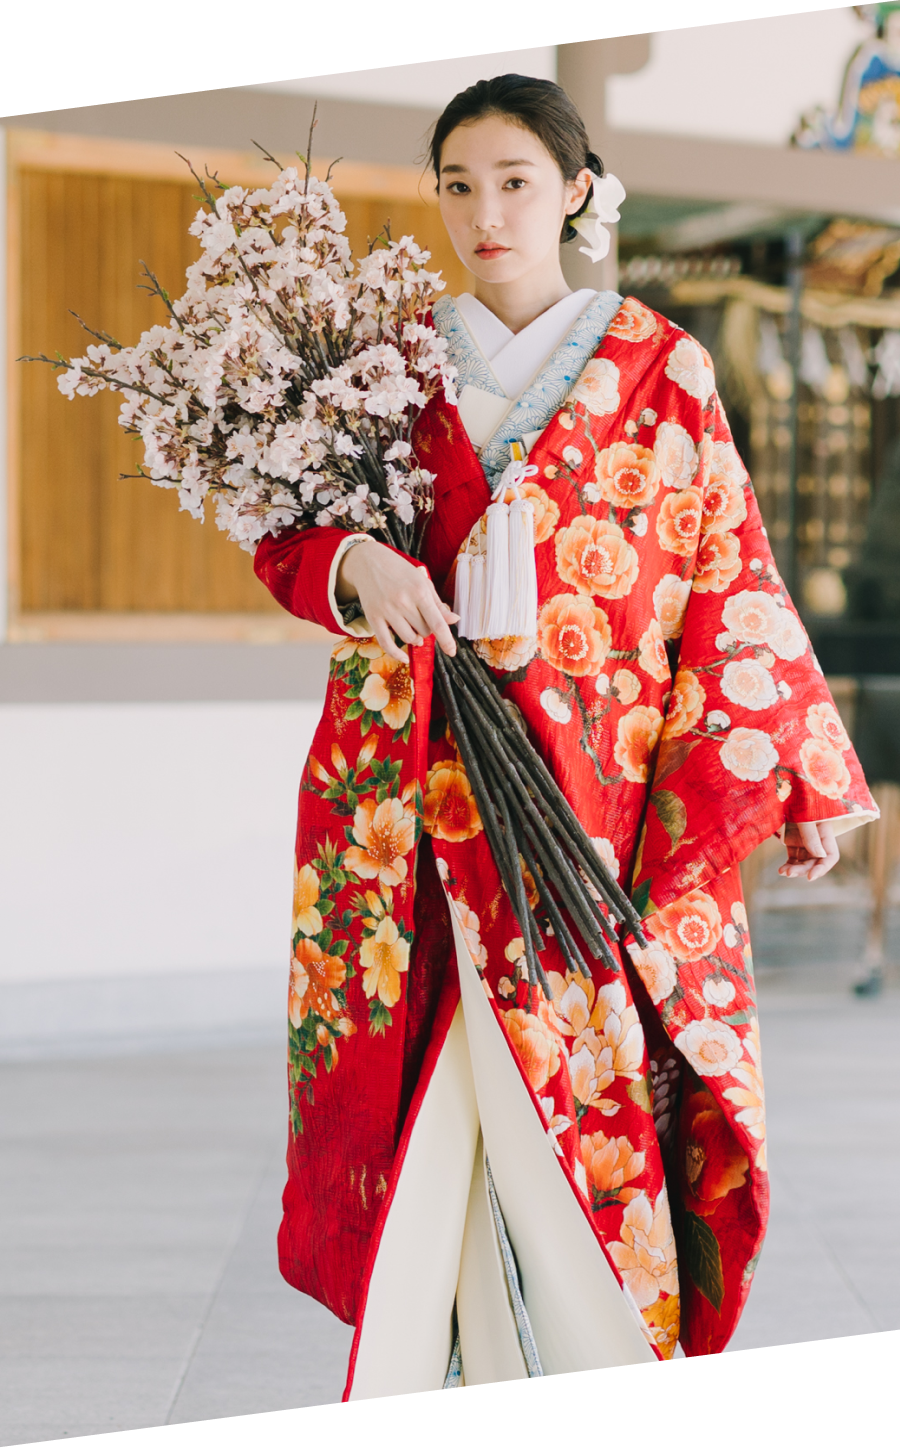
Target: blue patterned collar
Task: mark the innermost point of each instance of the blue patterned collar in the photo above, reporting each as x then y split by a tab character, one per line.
545	395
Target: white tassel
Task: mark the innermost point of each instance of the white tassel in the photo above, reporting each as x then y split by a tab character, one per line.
522	620
476	597
497	572
461	594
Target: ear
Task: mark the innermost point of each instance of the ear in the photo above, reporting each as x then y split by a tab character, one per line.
577	190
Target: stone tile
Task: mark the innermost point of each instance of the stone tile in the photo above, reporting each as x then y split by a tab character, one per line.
802	1290
58	1327
264	1345
75	1395
134	1269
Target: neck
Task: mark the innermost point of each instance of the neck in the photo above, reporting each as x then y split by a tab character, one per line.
518	303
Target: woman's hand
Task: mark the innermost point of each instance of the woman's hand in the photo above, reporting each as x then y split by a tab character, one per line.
397	598
811	850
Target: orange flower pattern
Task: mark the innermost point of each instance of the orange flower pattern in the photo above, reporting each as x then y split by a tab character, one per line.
388	691
595	558
685	704
678	522
573	635
450	809
384	834
689	928
639	732
627	475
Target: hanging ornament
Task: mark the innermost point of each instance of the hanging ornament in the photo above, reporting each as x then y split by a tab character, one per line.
495	591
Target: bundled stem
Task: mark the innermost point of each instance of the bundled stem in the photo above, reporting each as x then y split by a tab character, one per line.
528	820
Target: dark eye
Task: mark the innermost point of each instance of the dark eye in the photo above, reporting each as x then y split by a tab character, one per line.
457	188
516	182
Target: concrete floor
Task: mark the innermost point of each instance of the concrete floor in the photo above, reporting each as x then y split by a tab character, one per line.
140	1199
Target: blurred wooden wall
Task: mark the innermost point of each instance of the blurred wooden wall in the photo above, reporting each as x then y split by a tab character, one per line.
83	540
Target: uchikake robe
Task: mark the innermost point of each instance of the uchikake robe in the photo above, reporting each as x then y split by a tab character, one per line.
672	691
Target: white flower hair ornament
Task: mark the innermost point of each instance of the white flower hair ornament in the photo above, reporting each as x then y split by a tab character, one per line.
607	195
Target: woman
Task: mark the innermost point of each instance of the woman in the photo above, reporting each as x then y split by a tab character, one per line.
489	1185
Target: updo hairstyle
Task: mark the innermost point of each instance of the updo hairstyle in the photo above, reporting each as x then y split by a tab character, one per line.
539	106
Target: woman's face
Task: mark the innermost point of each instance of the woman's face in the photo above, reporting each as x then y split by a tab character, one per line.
503	199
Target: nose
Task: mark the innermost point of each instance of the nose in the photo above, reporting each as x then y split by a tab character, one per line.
487	214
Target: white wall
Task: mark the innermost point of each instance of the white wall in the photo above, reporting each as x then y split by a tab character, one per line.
147	839
742	80
432	83
746	80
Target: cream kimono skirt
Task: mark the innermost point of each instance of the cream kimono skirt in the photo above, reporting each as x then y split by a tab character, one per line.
445	1260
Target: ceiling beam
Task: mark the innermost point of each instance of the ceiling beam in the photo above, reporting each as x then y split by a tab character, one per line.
835	183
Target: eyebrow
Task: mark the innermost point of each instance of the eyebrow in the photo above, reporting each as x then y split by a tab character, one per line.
499	166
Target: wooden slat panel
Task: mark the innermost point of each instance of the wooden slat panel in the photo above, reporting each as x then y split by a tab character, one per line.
88	541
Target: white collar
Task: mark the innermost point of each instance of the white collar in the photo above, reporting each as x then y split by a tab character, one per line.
515	357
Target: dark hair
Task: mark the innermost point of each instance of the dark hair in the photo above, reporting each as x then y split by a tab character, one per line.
539	106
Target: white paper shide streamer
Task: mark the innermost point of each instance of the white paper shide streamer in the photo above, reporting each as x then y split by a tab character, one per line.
607	195
496	577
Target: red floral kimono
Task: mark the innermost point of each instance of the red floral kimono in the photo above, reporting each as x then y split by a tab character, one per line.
672	691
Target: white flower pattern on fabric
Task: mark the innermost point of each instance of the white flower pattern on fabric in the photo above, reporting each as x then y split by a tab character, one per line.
711	1047
688	367
749	754
748	683
598	387
676	455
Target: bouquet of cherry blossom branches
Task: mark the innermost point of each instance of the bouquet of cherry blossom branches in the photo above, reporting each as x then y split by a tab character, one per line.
286	384
287	379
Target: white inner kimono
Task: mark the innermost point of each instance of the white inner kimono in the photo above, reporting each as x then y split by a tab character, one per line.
557	1306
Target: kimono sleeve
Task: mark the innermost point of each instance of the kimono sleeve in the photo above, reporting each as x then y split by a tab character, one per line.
752	739
299	570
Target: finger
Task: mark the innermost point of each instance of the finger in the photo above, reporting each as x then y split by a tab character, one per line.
438	625
387	641
431	597
407	628
808	831
832	853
